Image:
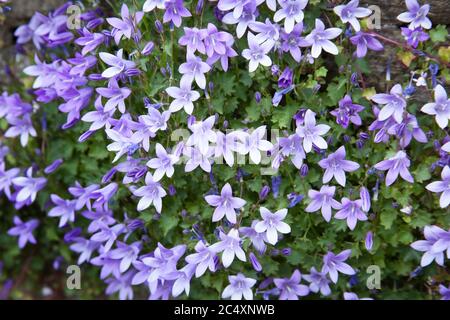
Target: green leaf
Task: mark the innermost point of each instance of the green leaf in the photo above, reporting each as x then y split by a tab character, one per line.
422	173
283	116
321	72
439	34
387	218
168	222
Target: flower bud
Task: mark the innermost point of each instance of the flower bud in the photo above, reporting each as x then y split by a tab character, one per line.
369	241
148	49
255	263
365	197
264	192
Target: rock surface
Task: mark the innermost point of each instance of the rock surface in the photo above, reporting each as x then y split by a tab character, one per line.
22	10
390	9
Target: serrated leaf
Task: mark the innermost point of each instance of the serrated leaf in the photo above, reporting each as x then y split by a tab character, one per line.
168	222
439	34
387	218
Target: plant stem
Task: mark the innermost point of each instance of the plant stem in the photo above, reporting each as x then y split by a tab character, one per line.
408	48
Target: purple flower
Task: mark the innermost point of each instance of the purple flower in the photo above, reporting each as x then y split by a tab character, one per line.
155	120
239	287
350	12
257	239
196	158
182	280
6	179
291	146
127	254
21	127
271	4
256	53
311	133
83	195
216	42
265	31
319	39
318	281
163	262
53	28
184	96
99	219
236	5
362	41
150	5
225	204
442	186
202	134
334	263
193	39
117	64
203	259
103	195
437	241
175	11
124	143
291	42
444	292
353	296
108	265
253	143
27	188
290	288
127	26
151	193
247	17
89	41
108	235
24	230
324	201
407	129
225	145
285	79
272	224
416	15
230	246
85	248
413	37
394	104
194	69
440	108
292	12
396	165
122	285
335	166
347	112
27	32
99	118
351	211
116	96
65	209
163	164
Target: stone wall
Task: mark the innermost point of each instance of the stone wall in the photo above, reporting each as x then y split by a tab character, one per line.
22	10
390	9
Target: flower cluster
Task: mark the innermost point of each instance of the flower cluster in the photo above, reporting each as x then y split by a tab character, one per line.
157	198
